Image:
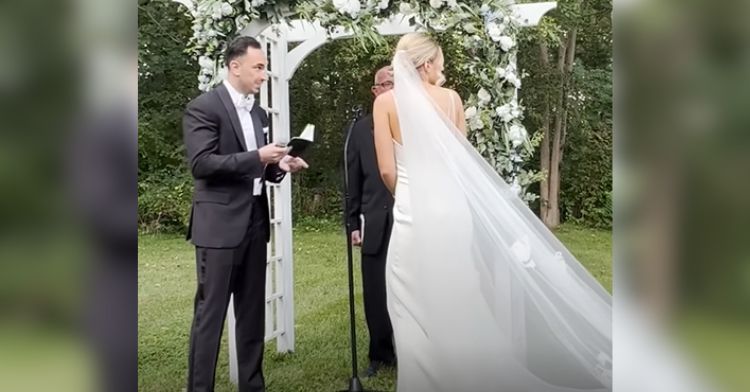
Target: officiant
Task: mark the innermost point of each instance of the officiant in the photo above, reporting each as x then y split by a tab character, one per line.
370	222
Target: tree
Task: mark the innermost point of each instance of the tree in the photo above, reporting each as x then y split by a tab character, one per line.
574	41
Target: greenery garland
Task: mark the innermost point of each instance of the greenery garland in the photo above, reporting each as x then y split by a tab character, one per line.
487	30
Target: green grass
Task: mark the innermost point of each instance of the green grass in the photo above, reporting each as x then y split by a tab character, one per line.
166	278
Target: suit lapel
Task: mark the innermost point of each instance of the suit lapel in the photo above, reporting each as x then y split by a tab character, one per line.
260	139
232	112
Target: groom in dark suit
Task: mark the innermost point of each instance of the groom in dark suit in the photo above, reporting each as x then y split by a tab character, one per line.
229	222
370	221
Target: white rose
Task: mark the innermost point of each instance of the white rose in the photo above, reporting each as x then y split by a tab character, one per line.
203	79
436	3
506	43
340	5
513	79
452	3
405	8
226	9
493	29
476	123
517	134
484	96
504	112
470	112
515	111
383	4
500	72
353	8
205	62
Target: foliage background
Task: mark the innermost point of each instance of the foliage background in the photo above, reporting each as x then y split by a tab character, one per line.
325	88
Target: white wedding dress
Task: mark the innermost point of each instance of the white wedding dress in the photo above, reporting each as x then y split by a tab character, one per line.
482	297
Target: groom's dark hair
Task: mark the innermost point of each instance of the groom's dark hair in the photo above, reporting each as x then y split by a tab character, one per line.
238	47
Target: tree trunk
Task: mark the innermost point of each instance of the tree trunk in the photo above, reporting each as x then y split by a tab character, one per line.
566	55
544	153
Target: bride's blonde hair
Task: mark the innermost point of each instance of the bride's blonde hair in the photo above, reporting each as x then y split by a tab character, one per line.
419	48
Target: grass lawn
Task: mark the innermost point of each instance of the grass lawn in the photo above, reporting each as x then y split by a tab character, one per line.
166	284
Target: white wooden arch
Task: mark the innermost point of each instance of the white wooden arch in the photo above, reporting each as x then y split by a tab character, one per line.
274	96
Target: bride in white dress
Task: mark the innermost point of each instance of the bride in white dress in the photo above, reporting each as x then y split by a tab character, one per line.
481	295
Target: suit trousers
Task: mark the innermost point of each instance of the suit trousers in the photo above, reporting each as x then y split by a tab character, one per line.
376	307
241	272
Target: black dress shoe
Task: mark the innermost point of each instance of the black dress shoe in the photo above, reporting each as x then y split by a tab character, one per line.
375	367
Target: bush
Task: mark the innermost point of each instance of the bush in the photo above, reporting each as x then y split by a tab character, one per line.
164	202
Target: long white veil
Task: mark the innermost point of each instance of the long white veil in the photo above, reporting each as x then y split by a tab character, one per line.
550	318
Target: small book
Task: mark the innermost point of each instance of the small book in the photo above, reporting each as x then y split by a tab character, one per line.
302	142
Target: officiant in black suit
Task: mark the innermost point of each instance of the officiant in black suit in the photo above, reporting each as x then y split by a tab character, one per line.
370	221
229	222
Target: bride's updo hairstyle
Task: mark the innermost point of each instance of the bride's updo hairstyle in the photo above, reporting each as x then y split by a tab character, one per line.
419	48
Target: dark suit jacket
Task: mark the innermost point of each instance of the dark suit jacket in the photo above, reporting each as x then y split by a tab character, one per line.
223	170
368	194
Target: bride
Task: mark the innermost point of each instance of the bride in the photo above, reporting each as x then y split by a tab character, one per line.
481	295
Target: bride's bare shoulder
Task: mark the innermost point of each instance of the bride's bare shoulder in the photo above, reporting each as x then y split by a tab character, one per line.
385	99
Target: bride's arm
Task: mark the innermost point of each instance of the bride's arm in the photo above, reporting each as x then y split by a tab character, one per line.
384	141
460	118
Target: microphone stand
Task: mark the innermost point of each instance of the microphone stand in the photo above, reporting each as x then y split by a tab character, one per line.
355	385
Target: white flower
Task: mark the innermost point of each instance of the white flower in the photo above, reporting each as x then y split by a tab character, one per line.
515	188
500	72
485	9
484	96
257	3
354	8
405	8
515	111
216	12
495	31
513	79
436	3
476	123
517	134
205	62
506	43
504	112
452	3
470	112
383	4
351	7
226	9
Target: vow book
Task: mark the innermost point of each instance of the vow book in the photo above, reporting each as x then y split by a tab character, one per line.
302	142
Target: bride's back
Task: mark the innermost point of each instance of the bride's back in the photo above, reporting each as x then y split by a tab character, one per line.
445	99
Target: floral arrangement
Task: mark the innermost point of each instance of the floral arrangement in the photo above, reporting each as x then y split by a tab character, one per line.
487	31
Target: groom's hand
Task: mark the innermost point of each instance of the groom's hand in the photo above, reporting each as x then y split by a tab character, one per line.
292	164
356	238
272	153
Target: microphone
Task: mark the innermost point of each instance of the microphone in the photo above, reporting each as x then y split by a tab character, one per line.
357	110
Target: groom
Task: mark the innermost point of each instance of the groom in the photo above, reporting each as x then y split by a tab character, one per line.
229	222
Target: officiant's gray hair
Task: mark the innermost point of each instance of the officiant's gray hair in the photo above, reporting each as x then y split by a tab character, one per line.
419	47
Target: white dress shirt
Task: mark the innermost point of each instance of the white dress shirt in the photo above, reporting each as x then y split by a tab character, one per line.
243	105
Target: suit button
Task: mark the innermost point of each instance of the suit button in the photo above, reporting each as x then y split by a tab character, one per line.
385	207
